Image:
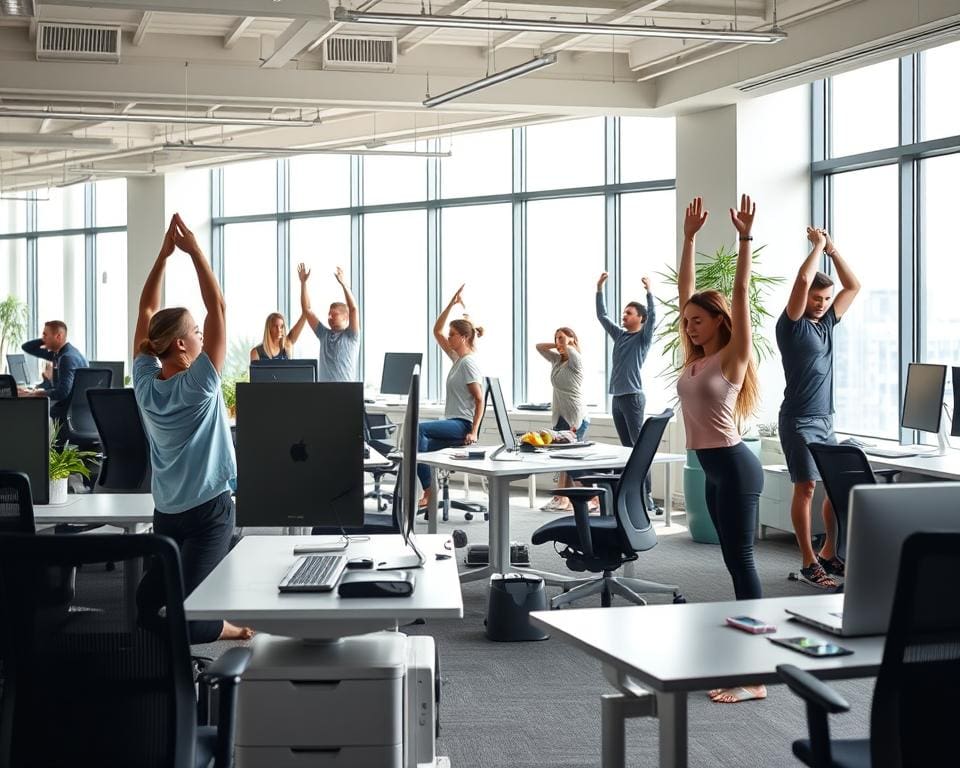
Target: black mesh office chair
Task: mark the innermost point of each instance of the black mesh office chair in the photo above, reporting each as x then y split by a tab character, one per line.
116	366
102	688
16	503
8	385
80	428
377	430
915	704
841	467
126	462
603	544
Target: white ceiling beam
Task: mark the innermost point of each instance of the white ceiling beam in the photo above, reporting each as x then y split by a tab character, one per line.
230	39
560	42
145	20
409	38
295	38
288	9
44	125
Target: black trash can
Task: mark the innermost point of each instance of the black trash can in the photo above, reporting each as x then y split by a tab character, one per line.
512	597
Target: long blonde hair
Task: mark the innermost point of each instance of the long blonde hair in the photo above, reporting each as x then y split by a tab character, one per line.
715	304
285	343
166	326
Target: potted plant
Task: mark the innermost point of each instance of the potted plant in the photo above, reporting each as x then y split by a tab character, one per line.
713	272
13	325
229	389
64	462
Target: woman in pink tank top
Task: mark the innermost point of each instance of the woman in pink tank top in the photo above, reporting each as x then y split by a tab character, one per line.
718	390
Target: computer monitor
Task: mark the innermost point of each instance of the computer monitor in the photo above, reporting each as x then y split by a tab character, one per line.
881	517
397	369
116	366
507	437
405	494
955	417
286	371
300	454
923	399
25	446
17	365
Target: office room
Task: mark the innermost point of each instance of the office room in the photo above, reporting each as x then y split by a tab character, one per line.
584	349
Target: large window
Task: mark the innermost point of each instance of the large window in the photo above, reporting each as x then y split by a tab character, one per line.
864	109
319	181
60	285
940	107
564	258
250	188
566	154
648	148
61	208
13	268
480	164
939	308
395	179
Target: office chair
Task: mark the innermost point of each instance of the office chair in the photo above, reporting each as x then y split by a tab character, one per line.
603	544
8	385
116	366
126	462
80	428
105	688
377	429
915	709
841	467
16	503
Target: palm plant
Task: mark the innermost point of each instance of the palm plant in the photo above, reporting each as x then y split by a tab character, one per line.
13	323
715	272
69	459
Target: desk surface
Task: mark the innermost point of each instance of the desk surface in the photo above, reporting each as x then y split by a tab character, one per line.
243	587
535	463
104	508
690	648
943	467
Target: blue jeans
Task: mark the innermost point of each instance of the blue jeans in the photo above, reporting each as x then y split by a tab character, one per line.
434	435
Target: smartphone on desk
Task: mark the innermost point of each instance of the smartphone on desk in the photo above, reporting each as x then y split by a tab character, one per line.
811	646
751	625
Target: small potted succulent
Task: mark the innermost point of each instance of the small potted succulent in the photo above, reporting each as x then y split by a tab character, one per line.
64	462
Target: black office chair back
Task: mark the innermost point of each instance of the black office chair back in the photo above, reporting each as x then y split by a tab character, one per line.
8	385
92	687
841	467
16	503
915	701
629	501
80	423
376	427
116	366
126	464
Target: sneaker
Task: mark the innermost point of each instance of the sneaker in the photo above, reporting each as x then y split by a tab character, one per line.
834	566
815	576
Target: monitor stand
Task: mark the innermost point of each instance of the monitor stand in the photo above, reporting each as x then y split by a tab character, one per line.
397	402
505	454
405	561
943	436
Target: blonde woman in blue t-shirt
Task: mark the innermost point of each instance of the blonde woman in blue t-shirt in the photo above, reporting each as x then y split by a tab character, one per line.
176	380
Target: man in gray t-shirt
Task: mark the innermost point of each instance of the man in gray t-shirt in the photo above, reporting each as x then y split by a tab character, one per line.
340	338
805	341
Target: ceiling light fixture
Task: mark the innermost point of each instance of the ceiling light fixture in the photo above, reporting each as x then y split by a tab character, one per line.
47	141
284	152
127	117
507	74
504	24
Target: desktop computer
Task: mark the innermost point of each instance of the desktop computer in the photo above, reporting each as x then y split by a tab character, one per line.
955	416
283	371
25	446
421	702
20	369
398	367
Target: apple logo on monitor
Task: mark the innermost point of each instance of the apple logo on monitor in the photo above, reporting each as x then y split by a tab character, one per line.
298	451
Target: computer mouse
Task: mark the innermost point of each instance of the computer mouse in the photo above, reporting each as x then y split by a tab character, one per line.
360	562
369	400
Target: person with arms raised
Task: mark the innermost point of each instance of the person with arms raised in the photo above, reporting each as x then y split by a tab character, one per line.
277	344
340	338
176	381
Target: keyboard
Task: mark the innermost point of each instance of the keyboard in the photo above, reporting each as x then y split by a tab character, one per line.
313	573
889	453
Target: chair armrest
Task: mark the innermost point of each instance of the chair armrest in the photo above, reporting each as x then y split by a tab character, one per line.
820	699
387	429
888	475
581	512
225	674
613	477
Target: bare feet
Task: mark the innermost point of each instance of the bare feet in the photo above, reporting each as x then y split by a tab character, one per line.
741	693
424	499
233	632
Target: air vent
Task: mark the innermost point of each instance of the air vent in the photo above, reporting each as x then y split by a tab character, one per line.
77	42
357	52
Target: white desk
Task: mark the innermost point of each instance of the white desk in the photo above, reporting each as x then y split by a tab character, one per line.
499	474
243	589
941	467
124	510
658	654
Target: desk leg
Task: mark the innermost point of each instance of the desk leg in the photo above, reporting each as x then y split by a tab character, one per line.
672	711
667	494
432	508
532	491
615	708
500	524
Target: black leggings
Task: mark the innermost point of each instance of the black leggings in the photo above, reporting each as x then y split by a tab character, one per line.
734	481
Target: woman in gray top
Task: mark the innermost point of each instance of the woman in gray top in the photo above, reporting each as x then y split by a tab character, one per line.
569	411
464	401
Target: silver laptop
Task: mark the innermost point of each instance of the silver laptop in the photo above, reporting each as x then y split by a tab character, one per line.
880	519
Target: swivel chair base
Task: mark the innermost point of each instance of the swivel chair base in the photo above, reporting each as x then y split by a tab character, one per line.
609	585
469	508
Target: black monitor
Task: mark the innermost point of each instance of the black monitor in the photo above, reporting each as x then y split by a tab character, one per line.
397	370
300	454
285	371
17	365
116	366
25	446
507	437
923	399
405	494
955	420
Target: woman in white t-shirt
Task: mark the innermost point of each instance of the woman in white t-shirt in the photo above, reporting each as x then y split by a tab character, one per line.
464	398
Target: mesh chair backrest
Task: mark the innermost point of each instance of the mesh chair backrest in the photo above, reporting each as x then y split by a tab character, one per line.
126	466
375	437
915	701
79	418
8	385
16	503
92	686
630	497
841	468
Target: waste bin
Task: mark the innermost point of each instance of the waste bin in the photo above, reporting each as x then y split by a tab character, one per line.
512	597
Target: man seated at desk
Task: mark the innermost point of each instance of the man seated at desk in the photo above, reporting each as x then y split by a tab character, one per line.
65	358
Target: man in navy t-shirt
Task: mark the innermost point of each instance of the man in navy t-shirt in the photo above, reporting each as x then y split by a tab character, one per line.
66	358
805	340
